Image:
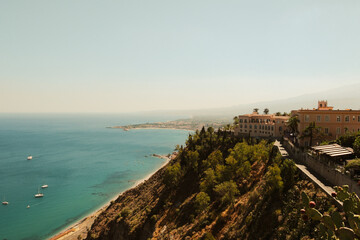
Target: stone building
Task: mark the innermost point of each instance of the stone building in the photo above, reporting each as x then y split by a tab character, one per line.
261	125
329	122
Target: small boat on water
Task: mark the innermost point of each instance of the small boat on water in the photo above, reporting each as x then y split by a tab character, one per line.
28	206
39	195
4	202
29	157
45	186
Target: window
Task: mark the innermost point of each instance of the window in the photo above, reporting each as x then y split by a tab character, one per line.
255	126
307	118
358	118
347	118
241	120
280	129
240	125
245	121
272	128
327	118
245	126
250	126
326	131
354	118
318	118
338	131
338	118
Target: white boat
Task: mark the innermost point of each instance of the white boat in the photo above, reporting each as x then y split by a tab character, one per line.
28	206
45	186
39	195
29	157
4	202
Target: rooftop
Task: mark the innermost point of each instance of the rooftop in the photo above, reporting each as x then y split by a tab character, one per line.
333	150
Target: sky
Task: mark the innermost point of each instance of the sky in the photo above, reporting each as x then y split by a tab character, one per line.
129	56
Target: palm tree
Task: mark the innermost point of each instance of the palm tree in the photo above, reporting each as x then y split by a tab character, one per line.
311	131
293	124
266	111
236	120
256	110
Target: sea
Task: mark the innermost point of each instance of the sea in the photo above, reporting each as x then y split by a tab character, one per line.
84	163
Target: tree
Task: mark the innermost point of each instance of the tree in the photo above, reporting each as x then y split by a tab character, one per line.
202	201
236	120
356	146
293	124
278	114
173	174
311	132
213	159
266	111
256	110
273	178
226	191
208	181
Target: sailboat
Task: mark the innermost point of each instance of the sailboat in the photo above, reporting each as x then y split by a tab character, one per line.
45	186
39	195
4	202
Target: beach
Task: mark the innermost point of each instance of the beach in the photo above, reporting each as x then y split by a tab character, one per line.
79	229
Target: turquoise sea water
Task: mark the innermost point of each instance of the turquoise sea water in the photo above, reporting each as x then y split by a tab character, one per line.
84	163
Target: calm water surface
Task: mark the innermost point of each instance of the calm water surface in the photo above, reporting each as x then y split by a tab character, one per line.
84	163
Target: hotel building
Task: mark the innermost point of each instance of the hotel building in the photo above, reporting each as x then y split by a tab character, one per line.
261	125
332	123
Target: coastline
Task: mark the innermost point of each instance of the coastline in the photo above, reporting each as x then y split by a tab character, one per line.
152	128
80	227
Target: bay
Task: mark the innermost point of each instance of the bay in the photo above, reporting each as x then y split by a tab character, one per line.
84	163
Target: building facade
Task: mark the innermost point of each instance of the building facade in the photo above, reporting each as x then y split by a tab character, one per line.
261	125
331	123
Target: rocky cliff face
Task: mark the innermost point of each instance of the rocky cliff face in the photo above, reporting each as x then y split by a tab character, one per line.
177	202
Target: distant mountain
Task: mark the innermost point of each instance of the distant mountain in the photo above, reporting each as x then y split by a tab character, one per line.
340	98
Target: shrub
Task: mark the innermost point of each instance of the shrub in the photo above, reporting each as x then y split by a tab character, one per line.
154	218
208	236
125	212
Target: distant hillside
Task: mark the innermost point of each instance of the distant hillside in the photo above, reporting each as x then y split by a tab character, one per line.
339	98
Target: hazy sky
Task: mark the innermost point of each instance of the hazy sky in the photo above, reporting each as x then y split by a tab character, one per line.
120	56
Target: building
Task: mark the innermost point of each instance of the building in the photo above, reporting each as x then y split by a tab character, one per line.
331	123
261	125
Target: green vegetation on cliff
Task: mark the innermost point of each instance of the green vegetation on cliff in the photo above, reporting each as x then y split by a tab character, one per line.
217	187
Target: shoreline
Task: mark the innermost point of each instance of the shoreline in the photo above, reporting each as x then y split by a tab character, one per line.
152	128
81	226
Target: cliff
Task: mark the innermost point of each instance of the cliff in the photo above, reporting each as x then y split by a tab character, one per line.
218	187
